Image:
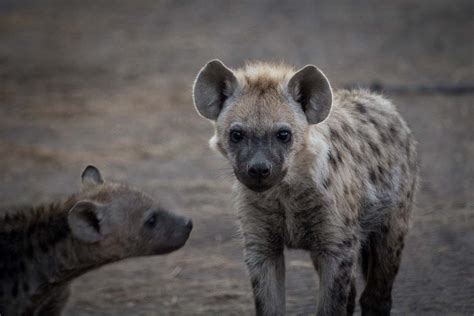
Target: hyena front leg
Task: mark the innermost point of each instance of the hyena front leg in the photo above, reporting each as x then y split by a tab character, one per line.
337	286
382	262
266	266
267	275
351	301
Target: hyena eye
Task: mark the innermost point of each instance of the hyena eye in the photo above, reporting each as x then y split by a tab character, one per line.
236	136
151	221
284	136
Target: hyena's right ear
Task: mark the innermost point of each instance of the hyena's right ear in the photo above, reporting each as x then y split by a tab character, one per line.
91	177
214	84
310	88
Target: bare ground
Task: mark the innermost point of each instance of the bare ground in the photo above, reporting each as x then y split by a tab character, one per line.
109	83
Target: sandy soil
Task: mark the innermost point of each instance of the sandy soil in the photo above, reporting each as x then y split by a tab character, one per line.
109	83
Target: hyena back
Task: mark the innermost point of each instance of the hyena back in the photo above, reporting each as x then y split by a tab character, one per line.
333	173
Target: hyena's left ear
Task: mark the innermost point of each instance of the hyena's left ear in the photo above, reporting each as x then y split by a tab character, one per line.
310	88
214	84
91	177
86	221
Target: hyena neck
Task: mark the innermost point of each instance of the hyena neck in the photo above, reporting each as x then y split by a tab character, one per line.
36	245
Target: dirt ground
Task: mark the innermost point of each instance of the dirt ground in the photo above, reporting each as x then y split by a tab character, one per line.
109	83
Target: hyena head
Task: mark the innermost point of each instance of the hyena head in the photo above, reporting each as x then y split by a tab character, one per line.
261	115
122	222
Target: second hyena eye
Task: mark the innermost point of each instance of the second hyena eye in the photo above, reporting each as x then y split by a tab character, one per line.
284	136
236	136
151	221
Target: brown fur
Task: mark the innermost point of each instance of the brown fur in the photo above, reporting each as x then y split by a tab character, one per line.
347	189
41	253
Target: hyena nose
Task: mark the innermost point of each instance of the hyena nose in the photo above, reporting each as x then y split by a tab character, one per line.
259	171
189	224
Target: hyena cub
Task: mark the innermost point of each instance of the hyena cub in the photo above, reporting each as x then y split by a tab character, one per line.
42	249
333	173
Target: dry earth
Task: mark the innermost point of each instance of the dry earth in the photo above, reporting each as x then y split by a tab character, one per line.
109	83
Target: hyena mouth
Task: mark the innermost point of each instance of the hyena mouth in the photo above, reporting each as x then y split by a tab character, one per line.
260	185
259	188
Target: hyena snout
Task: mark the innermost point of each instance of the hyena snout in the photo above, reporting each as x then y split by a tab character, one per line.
171	232
259	170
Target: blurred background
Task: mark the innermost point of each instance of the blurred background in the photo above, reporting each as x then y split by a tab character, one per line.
109	83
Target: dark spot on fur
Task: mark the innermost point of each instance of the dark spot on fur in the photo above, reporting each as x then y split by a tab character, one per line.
26	287
374	148
357	157
361	108
374	123
346	128
373	176
346	145
29	251
398	253
43	246
347	221
338	155
308	236
15	290
393	131
381	170
255	283
22	266
346	189
347	243
327	183
332	161
385	229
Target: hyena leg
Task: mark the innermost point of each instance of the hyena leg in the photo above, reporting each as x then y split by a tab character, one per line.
267	275
264	257
351	300
382	260
337	289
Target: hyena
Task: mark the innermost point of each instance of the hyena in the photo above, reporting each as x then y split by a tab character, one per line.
43	248
333	173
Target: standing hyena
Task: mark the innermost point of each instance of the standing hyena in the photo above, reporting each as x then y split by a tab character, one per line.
42	249
333	174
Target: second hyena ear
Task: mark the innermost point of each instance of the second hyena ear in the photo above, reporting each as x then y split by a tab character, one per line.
310	88
91	177
214	84
85	220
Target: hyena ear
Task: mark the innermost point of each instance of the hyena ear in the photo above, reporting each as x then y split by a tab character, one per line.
310	88
214	84
91	177
85	220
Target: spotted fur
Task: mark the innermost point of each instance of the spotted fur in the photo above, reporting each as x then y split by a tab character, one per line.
346	192
42	249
